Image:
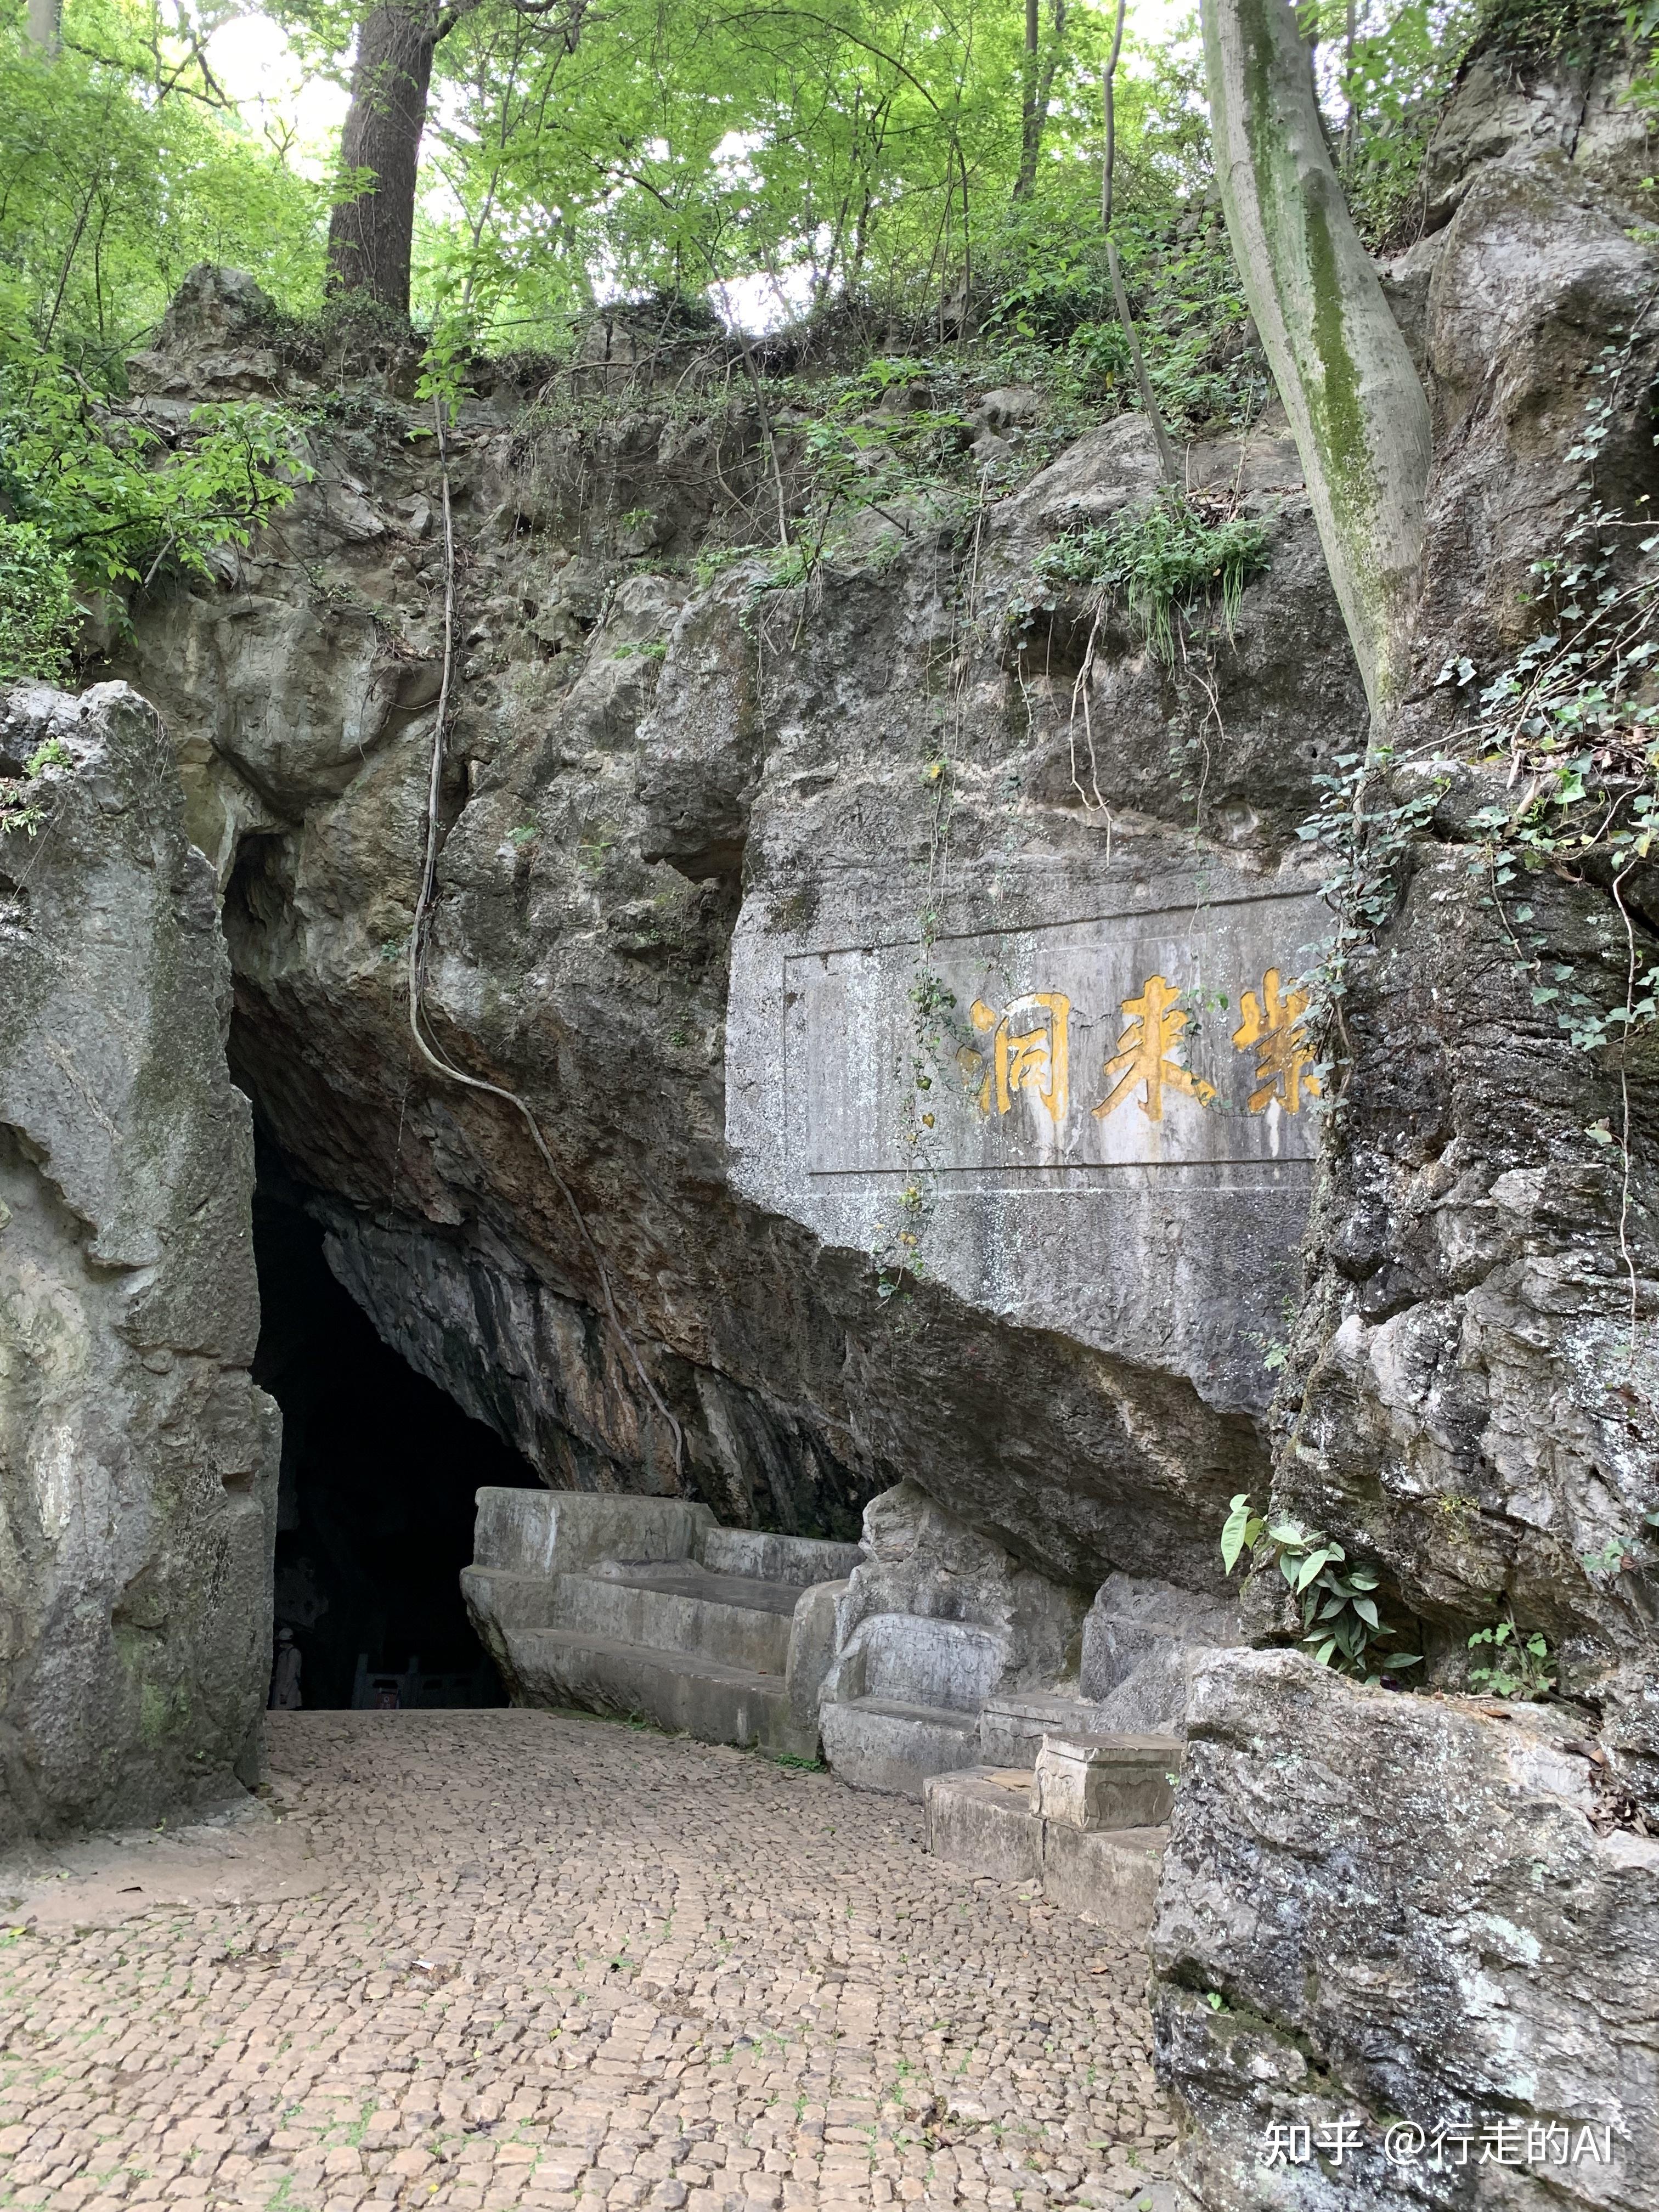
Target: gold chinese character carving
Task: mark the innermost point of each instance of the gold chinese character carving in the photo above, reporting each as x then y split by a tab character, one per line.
1156	1019
1030	1050
1272	1023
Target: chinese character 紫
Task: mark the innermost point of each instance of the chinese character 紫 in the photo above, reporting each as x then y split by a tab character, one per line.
1156	1020
1030	1050
1272	1023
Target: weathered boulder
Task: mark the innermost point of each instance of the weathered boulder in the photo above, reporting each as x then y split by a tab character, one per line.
1409	1914
137	1461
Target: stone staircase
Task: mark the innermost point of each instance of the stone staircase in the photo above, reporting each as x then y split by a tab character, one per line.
903	1700
646	1606
1086	1823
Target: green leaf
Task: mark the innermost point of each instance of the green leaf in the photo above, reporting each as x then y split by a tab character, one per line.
1234	1531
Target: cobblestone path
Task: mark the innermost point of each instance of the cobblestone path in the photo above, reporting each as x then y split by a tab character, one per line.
550	1961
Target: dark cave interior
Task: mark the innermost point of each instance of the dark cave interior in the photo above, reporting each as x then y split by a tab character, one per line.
374	1519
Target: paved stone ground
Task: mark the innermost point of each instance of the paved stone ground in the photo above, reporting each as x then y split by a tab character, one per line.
549	1962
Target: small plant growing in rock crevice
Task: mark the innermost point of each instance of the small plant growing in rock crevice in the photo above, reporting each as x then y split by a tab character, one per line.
1520	1666
1175	556
22	807
1341	1624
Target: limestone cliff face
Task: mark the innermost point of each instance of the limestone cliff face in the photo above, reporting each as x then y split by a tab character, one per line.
695	831
137	1462
1379	1909
813	919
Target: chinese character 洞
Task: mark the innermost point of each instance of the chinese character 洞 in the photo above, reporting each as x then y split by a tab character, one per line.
1030	1050
1272	1023
1155	1018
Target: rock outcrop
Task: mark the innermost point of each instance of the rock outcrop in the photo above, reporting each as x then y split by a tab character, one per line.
1385	1908
713	848
137	1461
1405	1956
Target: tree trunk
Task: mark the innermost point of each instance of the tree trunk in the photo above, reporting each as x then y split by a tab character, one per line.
44	24
1030	131
371	237
1036	90
1356	406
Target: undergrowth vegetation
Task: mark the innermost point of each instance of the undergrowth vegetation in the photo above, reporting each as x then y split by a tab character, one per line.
1177	553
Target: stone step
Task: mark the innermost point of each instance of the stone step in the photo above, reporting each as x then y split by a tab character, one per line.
1107	1780
679	1606
980	1819
1013	1724
797	1560
683	1692
880	1743
503	1604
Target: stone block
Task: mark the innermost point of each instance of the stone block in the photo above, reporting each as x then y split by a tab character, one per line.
911	1660
680	1608
879	1744
1105	1781
677	1691
1013	1724
801	1561
1108	1876
811	1651
537	1532
980	1819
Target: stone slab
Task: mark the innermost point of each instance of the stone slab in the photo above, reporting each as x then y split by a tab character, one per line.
549	1531
681	1610
980	1819
1106	1781
801	1560
1013	1724
1108	1876
880	1744
676	1691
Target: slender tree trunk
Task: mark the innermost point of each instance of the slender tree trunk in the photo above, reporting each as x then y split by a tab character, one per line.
44	24
1356	406
1036	90
1030	120
371	237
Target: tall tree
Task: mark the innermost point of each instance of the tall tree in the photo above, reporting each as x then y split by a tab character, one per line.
370	232
1036	90
45	23
1356	404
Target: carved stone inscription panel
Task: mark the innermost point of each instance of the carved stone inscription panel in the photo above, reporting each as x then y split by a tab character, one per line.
1110	1120
1068	1054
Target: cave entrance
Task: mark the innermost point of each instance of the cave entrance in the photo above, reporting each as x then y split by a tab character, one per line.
376	1509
